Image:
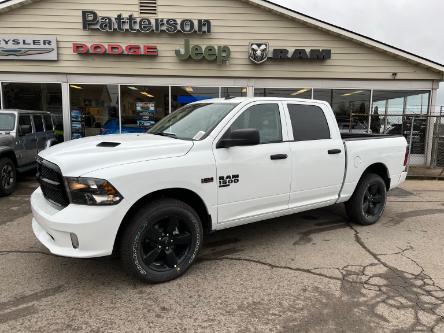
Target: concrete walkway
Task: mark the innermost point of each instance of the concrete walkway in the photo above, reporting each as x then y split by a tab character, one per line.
425	173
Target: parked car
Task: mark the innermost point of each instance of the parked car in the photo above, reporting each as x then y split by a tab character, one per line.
23	134
211	165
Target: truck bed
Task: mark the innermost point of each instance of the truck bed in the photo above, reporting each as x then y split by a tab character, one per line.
362	151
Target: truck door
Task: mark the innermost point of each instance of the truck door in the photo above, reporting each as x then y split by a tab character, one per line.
317	154
39	132
26	148
254	181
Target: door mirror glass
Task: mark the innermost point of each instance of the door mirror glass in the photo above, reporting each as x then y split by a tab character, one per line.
25	129
241	137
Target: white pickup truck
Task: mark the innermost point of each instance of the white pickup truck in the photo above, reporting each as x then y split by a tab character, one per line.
208	166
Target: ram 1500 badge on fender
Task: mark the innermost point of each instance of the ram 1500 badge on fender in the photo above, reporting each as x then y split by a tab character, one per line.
210	165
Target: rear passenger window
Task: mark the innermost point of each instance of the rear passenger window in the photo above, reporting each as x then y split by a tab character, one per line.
25	120
38	123
48	122
308	122
265	118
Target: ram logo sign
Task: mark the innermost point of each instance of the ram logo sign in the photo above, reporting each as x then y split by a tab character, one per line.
28	48
259	52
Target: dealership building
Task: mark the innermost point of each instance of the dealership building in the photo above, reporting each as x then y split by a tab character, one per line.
111	66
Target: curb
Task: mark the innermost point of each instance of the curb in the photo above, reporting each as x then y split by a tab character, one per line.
425	178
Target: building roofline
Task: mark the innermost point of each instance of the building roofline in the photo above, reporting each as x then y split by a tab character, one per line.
7	5
357	37
329	27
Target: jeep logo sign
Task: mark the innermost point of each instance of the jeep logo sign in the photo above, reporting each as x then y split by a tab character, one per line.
221	54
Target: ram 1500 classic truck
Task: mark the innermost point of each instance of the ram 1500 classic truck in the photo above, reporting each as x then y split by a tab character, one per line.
210	165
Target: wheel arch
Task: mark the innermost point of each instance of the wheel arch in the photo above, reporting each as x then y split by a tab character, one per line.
381	170
9	153
185	195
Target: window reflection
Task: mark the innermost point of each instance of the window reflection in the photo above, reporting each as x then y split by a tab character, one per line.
94	110
283	92
181	96
393	111
143	107
351	107
233	92
36	96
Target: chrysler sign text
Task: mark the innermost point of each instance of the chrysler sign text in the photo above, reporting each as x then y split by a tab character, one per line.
28	48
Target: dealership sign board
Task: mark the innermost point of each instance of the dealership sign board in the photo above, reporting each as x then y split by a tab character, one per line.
120	23
28	47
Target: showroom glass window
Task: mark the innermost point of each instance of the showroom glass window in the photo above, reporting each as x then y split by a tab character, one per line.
351	107
392	114
181	96
304	93
233	92
142	107
36	96
94	109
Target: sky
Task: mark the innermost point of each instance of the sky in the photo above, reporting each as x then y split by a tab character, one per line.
412	25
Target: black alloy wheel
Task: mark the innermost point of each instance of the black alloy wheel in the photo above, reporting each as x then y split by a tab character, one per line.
161	241
368	201
166	244
8	176
373	202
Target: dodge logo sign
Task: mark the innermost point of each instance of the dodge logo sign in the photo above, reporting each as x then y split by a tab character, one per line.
259	52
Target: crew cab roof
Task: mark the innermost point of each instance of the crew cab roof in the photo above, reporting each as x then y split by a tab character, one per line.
238	100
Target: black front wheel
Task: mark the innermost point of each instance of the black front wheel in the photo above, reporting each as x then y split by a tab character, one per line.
162	241
368	201
8	176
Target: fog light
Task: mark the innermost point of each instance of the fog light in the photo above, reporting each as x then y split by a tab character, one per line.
74	241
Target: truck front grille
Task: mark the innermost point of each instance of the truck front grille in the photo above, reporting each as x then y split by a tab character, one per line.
52	183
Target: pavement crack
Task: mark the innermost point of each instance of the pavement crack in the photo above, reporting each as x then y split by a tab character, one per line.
5	252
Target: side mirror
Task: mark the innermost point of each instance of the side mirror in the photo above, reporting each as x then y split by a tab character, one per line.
25	129
240	137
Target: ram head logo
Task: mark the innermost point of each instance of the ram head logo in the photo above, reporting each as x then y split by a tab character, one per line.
259	52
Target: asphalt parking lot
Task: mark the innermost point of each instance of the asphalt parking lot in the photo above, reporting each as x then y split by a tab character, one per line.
311	272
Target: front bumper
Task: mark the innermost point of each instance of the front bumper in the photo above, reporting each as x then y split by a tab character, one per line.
95	227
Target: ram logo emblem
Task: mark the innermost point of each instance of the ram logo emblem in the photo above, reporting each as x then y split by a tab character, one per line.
259	52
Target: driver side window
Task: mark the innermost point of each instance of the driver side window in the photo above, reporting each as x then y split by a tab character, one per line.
265	118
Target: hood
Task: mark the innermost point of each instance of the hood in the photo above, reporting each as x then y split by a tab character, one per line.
77	157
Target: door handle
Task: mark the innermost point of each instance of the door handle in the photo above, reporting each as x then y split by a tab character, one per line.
278	157
334	151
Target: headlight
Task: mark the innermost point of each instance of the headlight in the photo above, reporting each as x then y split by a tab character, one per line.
92	192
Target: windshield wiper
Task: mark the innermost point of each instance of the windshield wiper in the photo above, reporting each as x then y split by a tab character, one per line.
170	135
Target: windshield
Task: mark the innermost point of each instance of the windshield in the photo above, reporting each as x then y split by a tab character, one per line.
7	122
193	122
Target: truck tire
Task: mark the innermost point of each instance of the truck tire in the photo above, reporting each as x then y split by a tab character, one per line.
161	241
8	176
368	202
